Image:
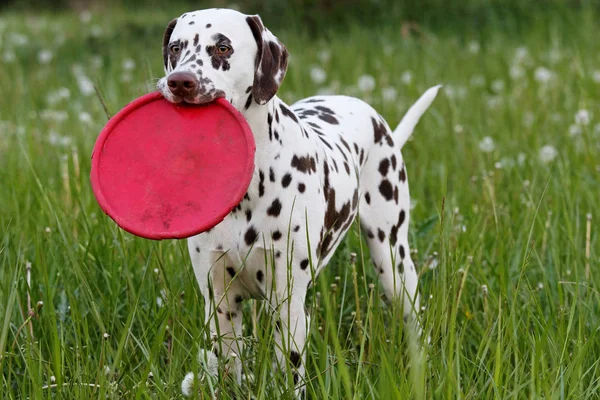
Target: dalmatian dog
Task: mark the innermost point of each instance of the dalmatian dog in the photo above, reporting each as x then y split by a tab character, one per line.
319	164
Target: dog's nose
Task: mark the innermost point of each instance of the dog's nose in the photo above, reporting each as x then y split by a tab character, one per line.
182	84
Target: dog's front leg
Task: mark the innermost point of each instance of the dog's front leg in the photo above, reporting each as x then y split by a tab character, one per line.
291	319
223	296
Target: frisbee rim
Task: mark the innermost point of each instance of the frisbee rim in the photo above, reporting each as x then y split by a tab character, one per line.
138	229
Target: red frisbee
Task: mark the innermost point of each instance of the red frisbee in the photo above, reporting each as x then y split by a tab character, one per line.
170	171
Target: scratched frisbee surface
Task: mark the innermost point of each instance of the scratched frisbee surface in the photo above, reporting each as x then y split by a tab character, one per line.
161	170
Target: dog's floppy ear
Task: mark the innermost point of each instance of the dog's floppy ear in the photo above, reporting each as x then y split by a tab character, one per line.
166	39
271	61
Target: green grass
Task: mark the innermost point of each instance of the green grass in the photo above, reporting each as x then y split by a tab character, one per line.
504	219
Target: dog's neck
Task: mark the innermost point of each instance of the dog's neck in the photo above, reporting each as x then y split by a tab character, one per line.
261	119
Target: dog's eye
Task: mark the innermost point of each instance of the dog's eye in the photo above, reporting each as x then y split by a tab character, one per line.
223	49
175	49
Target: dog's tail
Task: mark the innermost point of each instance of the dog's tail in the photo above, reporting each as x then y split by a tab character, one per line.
413	115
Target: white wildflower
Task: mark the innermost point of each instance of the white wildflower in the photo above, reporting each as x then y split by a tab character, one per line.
128	64
582	117
9	56
86	86
18	39
477	81
547	154
494	102
96	31
596	76
507	162
85	16
54	115
543	75
96	61
554	56
45	56
324	55
575	130
528	118
484	289
318	75
126	77
516	72
458	128
473	47
52	379
498	85
406	77
187	383
521	54
389	94
209	360
57	96
366	83
540	285
487	144
85	117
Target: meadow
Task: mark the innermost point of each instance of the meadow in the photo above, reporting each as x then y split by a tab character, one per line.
504	171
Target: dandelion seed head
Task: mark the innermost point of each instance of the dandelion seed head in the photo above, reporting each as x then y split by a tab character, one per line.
547	154
487	144
516	72
128	64
187	384
85	16
366	83
575	130
473	47
477	81
85	117
324	55
318	75
45	56
406	77
543	75
389	94
582	117
498	85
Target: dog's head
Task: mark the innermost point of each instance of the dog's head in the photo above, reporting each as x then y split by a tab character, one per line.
221	53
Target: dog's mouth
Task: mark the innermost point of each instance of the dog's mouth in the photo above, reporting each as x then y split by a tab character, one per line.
198	99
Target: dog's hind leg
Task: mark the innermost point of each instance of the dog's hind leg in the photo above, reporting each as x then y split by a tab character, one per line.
384	215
